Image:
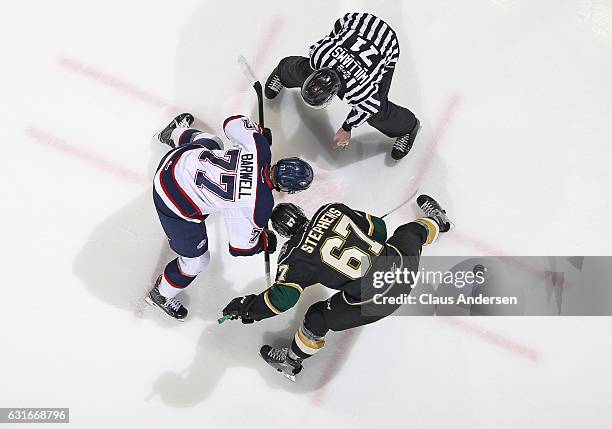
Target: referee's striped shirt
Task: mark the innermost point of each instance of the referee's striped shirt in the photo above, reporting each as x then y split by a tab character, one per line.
362	48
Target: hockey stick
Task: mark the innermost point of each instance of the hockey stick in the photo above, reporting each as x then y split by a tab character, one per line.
401	205
250	75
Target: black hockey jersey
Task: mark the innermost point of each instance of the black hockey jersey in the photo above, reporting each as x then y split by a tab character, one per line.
340	248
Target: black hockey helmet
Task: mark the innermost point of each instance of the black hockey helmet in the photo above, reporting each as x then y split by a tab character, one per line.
320	88
288	219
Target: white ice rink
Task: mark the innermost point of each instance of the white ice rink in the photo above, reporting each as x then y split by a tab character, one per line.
515	101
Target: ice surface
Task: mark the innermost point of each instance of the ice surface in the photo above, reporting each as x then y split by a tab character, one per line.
515	102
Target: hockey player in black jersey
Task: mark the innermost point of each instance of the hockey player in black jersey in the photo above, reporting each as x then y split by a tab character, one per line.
355	62
341	249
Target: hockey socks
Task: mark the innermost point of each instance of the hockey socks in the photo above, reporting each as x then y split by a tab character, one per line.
305	344
432	227
174	280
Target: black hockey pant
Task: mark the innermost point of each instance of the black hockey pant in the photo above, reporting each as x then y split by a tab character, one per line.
337	314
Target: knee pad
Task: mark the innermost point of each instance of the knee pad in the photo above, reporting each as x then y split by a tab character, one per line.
314	320
193	266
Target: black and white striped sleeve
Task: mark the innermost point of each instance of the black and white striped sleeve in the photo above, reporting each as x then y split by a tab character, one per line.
338	26
392	54
361	112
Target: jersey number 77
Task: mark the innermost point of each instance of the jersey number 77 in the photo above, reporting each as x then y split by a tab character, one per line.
229	164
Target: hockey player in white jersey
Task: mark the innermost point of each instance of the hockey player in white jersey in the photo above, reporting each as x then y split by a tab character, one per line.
197	178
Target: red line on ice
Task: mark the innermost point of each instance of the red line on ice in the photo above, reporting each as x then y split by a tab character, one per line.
116	83
432	148
125	87
438	136
268	39
492	338
506	258
46	138
333	363
476	243
263	49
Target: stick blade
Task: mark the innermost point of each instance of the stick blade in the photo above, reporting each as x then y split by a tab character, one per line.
246	69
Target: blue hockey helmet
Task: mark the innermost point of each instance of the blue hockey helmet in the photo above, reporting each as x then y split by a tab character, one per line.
292	175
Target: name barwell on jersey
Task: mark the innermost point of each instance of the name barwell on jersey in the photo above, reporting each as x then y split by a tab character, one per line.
247	166
316	233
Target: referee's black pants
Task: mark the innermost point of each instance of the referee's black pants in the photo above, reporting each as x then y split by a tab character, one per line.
391	120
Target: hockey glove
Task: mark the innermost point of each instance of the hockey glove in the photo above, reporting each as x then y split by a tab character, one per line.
268	241
267	133
238	308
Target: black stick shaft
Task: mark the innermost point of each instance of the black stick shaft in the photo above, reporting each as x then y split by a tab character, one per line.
259	92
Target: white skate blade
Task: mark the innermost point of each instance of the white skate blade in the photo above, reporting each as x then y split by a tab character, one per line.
289	376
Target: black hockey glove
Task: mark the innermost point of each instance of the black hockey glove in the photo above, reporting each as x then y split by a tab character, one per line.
268	241
267	133
238	308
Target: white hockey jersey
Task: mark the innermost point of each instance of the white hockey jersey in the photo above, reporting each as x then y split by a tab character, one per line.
194	181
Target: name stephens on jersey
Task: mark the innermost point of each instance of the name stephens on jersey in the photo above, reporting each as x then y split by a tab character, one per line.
316	233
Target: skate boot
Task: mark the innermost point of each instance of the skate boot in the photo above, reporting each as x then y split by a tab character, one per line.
404	143
273	85
432	209
278	358
184	120
171	306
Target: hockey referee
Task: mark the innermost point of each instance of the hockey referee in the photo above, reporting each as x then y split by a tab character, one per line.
355	62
